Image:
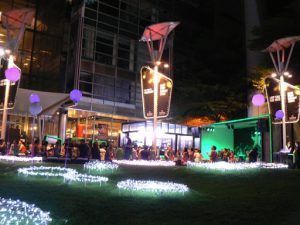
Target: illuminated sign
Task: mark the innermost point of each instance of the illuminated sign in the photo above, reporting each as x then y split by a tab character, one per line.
272	87
165	86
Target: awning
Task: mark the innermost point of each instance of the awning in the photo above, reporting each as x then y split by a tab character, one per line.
48	99
282	43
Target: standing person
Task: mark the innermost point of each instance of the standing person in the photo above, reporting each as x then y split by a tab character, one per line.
213	156
191	154
102	152
185	156
83	149
2	147
95	151
35	148
128	147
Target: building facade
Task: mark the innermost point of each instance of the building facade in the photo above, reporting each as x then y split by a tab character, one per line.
93	46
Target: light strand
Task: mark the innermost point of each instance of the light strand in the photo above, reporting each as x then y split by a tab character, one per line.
150	163
100	165
12	158
236	166
152	186
67	173
18	212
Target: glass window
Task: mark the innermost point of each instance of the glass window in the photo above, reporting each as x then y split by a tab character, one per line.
171	128
178	129
125	127
184	129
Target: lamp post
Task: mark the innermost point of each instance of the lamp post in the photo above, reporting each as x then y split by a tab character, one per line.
159	33
12	73
280	52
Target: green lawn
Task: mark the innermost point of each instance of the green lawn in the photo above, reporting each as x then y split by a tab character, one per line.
264	197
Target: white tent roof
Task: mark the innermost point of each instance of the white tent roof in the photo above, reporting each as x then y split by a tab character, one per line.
47	99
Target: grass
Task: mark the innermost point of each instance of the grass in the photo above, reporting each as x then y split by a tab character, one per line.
255	197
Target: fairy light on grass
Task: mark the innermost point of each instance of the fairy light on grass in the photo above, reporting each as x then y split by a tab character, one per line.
17	212
67	173
20	159
100	166
236	166
150	163
152	186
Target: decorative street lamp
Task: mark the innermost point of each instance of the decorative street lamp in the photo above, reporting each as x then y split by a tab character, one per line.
157	32
12	74
278	51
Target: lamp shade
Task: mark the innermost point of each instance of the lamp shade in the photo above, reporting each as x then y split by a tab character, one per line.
13	74
75	95
258	99
35	108
279	114
33	98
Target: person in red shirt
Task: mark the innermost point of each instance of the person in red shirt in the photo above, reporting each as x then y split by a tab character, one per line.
22	148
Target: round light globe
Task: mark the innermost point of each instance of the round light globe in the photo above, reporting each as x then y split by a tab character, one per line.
279	114
34	98
258	99
35	108
13	74
75	95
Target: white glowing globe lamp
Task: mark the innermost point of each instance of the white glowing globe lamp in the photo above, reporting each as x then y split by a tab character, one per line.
258	99
13	74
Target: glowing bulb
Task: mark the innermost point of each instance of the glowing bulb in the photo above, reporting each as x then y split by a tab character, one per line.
2	52
169	84
158	63
286	73
273	75
166	65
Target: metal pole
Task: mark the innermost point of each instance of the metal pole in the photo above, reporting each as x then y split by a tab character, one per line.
155	83
4	117
282	96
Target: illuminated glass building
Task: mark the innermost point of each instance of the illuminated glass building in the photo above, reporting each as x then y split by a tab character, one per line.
92	45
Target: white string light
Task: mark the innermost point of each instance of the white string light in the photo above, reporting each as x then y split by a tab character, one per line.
100	165
152	186
150	163
17	212
11	158
236	166
67	173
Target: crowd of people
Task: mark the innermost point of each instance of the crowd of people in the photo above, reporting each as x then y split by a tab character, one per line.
70	149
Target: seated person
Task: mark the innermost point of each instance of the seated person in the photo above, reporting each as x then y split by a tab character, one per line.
224	154
197	156
253	154
169	155
231	156
57	149
22	148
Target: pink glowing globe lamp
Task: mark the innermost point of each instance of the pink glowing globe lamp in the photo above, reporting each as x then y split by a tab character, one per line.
258	99
13	74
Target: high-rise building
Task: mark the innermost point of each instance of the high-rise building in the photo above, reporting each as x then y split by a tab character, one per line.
90	45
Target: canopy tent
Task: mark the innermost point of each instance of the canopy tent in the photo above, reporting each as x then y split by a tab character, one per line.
49	100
